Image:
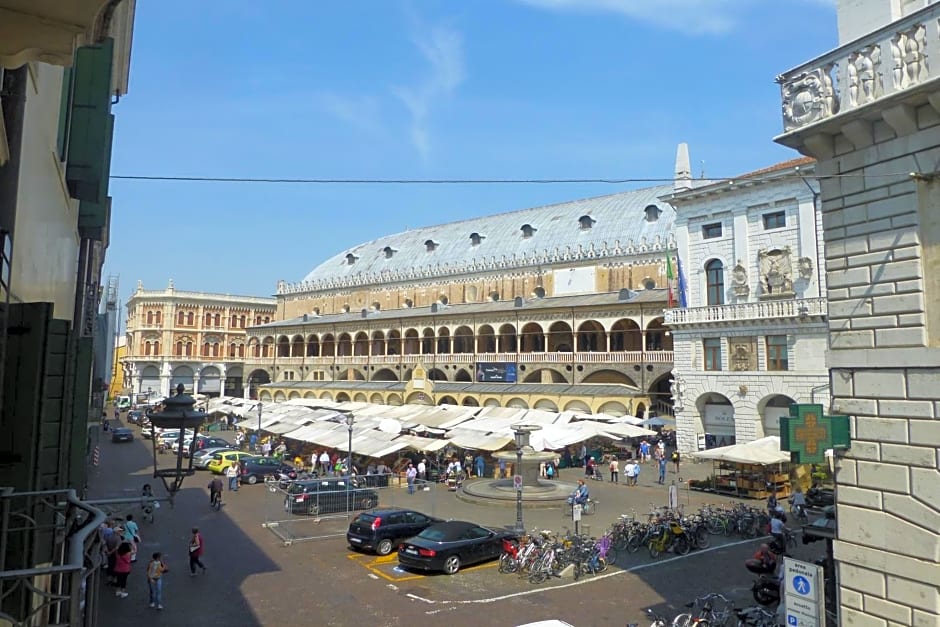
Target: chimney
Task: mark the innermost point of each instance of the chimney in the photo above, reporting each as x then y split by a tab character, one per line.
683	180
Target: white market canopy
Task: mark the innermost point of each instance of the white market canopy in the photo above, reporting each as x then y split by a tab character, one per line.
764	452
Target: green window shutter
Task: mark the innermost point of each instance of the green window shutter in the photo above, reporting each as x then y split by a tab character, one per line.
93	215
89	140
65	114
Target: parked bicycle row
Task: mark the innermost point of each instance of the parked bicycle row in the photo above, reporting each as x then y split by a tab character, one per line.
714	610
542	555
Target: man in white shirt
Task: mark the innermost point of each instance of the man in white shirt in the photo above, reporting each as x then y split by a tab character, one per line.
629	470
231	473
422	470
324	463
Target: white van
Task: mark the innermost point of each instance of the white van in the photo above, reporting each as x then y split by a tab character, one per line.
123	402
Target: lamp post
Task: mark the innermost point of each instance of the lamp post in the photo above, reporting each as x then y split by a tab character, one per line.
350	419
260	407
522	438
178	413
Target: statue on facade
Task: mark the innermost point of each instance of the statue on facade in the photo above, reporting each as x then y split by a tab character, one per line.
863	75
804	266
739	284
775	272
808	98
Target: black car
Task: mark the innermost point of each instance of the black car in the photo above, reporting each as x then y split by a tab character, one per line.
255	469
381	529
134	416
329	494
449	545
122	434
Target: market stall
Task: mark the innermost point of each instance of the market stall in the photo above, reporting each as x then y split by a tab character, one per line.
751	470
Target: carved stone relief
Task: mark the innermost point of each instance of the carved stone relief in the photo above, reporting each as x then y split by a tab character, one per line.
805	268
775	272
743	354
739	285
864	75
809	98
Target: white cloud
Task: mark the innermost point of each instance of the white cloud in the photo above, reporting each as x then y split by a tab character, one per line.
442	47
361	112
688	16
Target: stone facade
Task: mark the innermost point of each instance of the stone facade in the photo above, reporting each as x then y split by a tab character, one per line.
194	338
880	216
753	337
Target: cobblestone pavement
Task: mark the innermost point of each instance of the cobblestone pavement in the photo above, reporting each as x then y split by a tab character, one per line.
255	578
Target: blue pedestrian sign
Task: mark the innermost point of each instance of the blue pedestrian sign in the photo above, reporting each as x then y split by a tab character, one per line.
801	585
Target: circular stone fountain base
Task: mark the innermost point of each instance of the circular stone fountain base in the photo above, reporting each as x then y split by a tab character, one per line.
502	492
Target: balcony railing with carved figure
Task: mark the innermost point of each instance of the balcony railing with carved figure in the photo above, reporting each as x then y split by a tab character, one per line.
742	312
880	65
65	533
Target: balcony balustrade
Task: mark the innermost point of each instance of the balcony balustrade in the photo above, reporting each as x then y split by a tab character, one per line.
888	64
581	357
743	312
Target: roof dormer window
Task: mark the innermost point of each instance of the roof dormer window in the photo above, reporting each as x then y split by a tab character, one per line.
586	222
351	259
528	231
389	252
476	239
430	245
652	213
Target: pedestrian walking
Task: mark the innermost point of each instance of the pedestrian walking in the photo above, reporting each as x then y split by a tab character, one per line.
662	470
423	470
132	535
325	463
156	568
675	460
614	470
629	470
196	549
502	469
481	465
637	467
122	568
410	475
231	473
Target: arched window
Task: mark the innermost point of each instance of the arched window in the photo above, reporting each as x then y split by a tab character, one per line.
231	349
528	231
264	350
257	320
586	222
218	320
189	348
267	319
189	318
179	349
715	282
241	322
156	347
215	349
181	318
256	350
208	319
146	348
241	350
149	317
159	316
205	349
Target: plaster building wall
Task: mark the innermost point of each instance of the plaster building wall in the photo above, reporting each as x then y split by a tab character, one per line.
878	136
766	290
194	338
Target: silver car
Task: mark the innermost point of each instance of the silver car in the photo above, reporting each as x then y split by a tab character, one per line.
202	457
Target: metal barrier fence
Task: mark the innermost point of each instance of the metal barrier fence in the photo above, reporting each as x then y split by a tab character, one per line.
321	508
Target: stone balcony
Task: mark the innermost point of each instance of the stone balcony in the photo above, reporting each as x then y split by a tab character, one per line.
895	68
803	309
614	357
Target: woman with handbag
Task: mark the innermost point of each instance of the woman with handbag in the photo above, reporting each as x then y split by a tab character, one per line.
132	535
155	571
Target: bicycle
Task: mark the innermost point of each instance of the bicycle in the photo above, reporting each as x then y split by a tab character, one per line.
216	502
716	609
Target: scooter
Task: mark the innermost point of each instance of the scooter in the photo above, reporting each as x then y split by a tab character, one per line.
819	497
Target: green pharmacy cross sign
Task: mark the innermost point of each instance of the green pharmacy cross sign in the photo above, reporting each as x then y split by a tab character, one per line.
807	433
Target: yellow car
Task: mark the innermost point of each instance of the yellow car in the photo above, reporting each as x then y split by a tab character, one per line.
221	461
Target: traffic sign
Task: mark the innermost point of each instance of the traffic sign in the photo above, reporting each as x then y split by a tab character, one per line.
803	593
517	482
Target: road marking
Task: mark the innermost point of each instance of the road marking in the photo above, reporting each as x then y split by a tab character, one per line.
373	576
582	582
373	566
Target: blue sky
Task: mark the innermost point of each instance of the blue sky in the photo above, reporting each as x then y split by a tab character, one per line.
432	89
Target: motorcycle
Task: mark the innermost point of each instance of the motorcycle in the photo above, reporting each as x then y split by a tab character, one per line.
758	567
766	589
819	497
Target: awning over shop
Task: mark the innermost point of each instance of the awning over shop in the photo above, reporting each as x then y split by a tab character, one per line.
476	440
764	452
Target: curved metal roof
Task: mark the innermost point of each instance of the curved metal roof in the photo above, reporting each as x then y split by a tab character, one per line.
618	226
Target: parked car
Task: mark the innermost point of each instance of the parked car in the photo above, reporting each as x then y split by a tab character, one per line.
221	461
329	494
122	434
255	469
202	442
202	457
447	546
381	529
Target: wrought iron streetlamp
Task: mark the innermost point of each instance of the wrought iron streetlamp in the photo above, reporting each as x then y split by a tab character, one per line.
178	413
